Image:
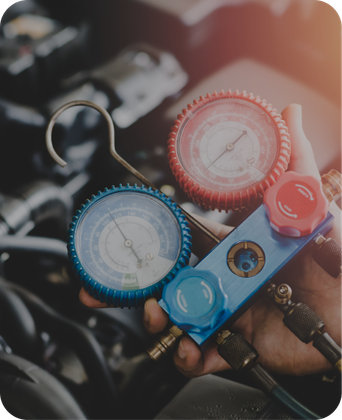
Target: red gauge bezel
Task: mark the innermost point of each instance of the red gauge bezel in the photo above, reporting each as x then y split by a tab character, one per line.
228	200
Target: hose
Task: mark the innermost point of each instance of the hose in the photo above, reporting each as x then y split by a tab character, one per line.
81	341
17	325
288	403
278	394
240	355
30	244
29	392
330	349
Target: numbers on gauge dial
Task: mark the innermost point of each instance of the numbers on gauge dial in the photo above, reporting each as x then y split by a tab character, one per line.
128	241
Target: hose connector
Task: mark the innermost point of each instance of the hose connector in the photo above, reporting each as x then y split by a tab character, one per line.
305	324
332	184
164	343
281	296
330	350
235	350
328	254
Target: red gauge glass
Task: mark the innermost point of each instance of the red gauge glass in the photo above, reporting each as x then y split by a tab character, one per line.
227	148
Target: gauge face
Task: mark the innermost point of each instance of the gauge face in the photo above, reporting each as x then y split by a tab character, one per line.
128	240
228	144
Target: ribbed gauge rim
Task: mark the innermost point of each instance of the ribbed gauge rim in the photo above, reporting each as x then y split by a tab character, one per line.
132	298
211	199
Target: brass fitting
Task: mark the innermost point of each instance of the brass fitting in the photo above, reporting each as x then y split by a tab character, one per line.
331	184
318	241
222	336
338	365
282	294
270	290
164	343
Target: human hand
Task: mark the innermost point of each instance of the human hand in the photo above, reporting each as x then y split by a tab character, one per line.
262	326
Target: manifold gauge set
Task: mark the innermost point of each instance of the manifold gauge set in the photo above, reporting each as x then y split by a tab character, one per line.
228	151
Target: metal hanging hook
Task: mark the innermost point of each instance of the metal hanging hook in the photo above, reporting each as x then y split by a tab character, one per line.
53	119
111	130
113	152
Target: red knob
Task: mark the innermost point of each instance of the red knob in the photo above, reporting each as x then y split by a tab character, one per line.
296	204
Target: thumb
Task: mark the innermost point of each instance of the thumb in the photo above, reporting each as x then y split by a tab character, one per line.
302	158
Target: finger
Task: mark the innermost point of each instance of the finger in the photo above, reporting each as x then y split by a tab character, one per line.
90	301
188	358
155	319
302	158
190	361
219	230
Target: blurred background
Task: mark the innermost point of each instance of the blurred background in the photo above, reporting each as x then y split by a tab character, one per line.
143	61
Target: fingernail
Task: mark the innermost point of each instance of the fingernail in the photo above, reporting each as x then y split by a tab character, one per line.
181	350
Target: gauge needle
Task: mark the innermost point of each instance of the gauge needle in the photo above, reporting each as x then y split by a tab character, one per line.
243	134
128	242
228	148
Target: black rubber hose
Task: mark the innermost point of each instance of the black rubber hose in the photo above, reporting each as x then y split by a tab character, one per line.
81	341
36	245
330	349
29	392
17	325
290	405
278	394
240	355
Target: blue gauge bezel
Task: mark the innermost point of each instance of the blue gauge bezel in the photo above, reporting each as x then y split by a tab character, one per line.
128	298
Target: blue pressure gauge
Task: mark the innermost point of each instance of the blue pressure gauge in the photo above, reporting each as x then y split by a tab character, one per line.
126	243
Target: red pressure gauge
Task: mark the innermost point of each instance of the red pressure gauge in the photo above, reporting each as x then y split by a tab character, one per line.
226	149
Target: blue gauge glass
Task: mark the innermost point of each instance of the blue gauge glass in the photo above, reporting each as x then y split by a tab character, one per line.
126	242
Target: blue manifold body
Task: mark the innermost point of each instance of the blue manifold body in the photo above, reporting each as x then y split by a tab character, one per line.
201	299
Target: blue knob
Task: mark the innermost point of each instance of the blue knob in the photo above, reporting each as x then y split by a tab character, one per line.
195	299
